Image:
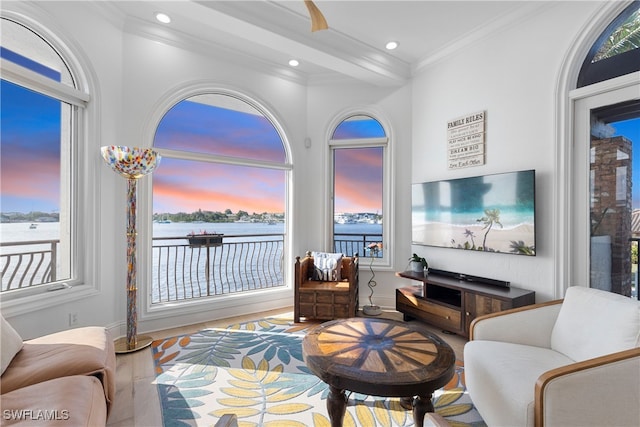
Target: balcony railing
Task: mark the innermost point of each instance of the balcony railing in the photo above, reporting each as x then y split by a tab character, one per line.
30	267
350	243
240	263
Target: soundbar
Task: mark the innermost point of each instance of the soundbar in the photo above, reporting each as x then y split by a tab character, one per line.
470	278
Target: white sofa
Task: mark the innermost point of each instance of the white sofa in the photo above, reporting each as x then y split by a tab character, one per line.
571	362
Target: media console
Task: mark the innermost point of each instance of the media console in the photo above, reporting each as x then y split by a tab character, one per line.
452	303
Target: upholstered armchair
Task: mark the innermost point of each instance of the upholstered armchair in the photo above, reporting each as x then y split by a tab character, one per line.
325	290
571	362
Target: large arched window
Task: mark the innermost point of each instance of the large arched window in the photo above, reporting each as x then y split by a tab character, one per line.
360	187
219	199
41	118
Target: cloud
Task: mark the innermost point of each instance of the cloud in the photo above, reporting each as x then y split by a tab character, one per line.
186	186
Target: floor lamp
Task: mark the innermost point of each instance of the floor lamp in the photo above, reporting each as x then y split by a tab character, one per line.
132	163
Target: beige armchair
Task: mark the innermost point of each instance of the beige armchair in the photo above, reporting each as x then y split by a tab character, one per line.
572	362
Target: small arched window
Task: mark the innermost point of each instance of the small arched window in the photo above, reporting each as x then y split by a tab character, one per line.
616	52
360	190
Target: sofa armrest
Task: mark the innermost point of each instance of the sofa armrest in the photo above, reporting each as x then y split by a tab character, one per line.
528	325
595	392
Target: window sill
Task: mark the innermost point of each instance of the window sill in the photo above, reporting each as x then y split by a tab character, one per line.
45	299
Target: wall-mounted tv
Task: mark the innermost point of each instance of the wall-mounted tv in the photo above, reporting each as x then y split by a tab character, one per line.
490	213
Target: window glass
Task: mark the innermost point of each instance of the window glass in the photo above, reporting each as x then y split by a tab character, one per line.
359	127
359	150
615	53
24	47
220	125
36	169
623	38
218	200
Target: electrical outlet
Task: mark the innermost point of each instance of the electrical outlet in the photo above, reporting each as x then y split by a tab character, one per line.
73	319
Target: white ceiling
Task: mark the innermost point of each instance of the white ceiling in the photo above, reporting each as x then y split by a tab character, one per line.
266	34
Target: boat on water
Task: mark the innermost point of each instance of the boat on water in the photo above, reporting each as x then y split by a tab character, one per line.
164	220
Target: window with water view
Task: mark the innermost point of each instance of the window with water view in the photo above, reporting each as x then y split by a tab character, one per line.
36	170
218	200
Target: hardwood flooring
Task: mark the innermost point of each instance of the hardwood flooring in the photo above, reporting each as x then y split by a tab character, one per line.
136	403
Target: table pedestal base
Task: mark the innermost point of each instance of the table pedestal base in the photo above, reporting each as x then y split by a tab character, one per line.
337	406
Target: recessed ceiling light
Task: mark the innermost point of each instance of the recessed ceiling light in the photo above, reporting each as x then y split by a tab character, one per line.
294	62
163	17
391	45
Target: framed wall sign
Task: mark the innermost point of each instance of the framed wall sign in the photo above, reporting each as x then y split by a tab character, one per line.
466	141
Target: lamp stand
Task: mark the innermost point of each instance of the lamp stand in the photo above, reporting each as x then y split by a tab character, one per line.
132	342
131	163
371	309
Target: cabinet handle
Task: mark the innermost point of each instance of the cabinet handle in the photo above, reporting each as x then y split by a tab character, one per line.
468	314
448	317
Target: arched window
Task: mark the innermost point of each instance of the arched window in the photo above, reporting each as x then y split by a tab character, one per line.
605	226
617	50
42	112
360	187
223	175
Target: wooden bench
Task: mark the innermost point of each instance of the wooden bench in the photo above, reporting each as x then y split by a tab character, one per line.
325	300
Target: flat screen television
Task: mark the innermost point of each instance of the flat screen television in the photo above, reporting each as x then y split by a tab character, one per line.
490	213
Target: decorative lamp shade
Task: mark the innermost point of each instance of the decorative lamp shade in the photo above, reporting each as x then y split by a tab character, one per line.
130	162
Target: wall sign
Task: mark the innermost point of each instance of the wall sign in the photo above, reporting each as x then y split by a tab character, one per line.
465	141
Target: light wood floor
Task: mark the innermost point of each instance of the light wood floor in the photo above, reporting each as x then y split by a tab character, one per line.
136	403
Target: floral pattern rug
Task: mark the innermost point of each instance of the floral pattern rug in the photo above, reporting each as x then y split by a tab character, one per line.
256	371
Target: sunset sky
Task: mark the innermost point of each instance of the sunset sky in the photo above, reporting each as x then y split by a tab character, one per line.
30	144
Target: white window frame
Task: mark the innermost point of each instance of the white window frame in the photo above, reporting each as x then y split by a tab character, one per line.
82	187
386	261
149	312
570	223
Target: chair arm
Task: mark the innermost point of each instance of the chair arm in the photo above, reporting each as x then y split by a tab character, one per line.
595	392
528	325
305	268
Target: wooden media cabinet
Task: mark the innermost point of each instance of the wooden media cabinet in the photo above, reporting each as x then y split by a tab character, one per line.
452	304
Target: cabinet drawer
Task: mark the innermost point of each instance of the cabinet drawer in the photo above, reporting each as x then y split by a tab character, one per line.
442	316
435	314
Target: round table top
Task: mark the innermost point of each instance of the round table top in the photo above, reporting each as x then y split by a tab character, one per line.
379	357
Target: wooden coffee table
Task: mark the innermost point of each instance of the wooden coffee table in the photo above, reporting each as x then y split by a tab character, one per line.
378	357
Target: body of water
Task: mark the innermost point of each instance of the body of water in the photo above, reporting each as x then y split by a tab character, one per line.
21	232
236	245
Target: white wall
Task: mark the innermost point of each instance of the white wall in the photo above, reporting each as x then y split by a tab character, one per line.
512	75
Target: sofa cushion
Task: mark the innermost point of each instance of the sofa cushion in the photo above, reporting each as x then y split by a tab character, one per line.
327	266
67	401
79	351
593	323
500	378
11	343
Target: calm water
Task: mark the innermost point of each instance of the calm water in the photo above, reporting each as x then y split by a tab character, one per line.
20	232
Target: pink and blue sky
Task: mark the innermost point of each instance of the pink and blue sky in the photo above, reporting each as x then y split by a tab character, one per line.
30	159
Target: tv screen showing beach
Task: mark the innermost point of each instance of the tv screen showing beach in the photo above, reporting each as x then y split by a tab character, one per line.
491	213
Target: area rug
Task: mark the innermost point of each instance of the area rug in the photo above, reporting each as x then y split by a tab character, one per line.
256	371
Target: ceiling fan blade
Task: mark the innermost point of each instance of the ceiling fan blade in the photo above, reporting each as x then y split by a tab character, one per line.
317	18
